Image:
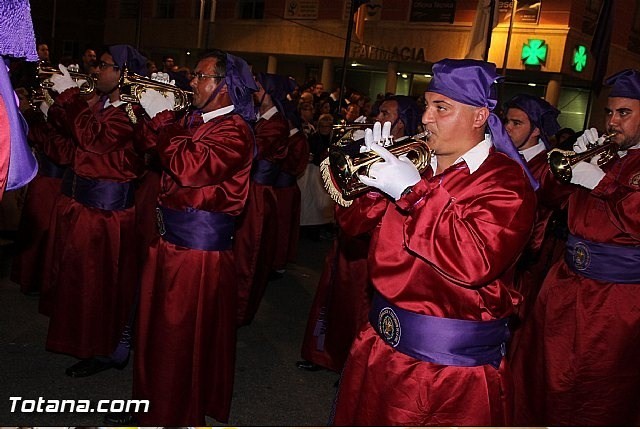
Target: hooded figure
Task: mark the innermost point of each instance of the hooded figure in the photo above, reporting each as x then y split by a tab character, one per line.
541	114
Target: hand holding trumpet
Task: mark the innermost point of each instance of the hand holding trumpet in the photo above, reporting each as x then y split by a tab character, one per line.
395	174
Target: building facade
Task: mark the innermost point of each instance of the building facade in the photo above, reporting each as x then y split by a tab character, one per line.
542	47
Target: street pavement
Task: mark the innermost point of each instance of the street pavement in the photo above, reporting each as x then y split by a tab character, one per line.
269	390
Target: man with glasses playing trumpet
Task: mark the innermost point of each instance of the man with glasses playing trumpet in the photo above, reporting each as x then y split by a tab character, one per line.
91	261
443	249
186	335
578	359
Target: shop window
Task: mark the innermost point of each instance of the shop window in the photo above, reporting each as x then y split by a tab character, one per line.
165	9
128	9
251	9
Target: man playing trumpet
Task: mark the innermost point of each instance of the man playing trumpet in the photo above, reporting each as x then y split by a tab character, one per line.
578	362
441	264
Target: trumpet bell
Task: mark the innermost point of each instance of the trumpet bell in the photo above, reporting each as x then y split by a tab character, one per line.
560	161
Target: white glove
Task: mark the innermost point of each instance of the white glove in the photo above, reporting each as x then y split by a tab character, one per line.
587	140
44	108
371	136
163	78
586	174
392	176
154	102
62	82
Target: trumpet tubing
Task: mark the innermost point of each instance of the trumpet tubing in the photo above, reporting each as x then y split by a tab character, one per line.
132	86
340	170
560	161
44	73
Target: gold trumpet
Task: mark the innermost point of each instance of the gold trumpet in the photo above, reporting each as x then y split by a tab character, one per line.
340	170
560	161
44	73
132	85
343	133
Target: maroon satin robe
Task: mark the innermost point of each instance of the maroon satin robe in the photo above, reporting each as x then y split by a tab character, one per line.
343	296
33	231
288	201
541	252
185	342
447	249
257	232
578	360
91	260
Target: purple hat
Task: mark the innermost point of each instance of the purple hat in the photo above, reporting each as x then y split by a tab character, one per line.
129	57
241	86
472	82
277	86
16	29
625	84
541	114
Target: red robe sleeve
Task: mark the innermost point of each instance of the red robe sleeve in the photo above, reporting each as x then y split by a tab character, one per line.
363	215
206	157
297	155
620	192
90	133
471	241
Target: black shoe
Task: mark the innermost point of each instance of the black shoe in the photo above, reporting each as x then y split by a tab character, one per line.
87	367
119	419
308	366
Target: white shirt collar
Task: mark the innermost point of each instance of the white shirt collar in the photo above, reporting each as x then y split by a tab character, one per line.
206	117
474	157
292	131
117	103
531	152
268	114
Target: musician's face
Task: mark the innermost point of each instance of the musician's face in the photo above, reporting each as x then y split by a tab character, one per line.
454	126
204	87
108	74
518	126
388	112
623	118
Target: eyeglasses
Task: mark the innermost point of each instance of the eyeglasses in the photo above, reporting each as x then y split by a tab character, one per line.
200	76
102	65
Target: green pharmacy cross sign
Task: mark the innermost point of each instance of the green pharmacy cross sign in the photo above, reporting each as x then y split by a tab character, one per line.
534	53
579	61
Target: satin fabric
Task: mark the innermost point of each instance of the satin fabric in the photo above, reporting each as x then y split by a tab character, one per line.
446	249
343	296
288	201
255	245
577	363
185	340
33	231
542	251
91	261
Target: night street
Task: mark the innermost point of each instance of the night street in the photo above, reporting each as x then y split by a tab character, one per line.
269	389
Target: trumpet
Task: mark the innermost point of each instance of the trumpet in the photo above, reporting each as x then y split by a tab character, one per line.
44	73
340	170
132	85
343	133
560	161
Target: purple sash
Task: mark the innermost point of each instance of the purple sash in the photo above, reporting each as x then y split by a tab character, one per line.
285	180
264	172
196	229
99	194
49	168
440	340
602	261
